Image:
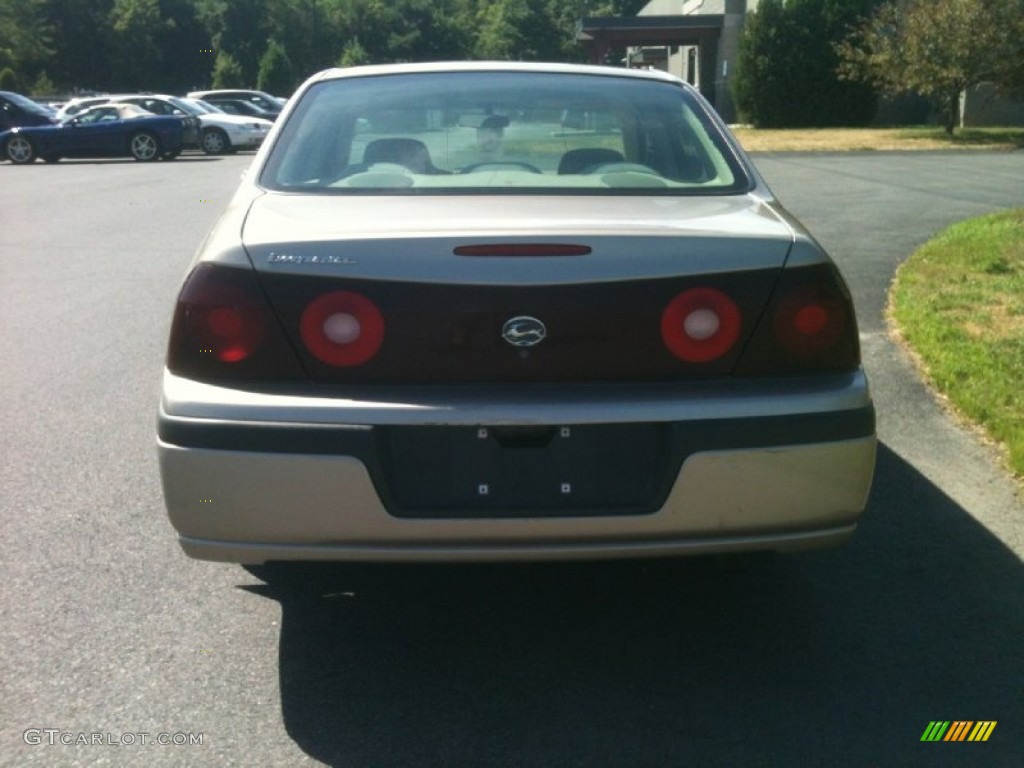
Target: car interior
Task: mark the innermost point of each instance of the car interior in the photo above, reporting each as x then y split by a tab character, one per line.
429	137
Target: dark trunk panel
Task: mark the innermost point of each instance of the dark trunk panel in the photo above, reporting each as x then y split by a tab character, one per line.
440	333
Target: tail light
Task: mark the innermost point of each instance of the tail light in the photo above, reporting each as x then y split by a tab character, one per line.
700	325
809	325
523	249
224	328
342	328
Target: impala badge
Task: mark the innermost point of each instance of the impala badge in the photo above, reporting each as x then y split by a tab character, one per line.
524	331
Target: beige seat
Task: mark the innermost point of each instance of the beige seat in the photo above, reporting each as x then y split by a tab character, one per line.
411	153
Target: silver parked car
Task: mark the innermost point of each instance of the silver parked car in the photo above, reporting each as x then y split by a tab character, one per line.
495	311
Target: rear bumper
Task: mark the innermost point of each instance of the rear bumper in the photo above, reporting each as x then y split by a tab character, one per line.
248	491
249	508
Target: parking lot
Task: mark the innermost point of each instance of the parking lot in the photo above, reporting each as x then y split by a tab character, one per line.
833	658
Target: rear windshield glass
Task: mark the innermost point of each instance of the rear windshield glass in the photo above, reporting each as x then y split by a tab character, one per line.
500	133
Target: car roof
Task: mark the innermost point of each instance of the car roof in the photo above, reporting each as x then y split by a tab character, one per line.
112	105
494	66
123	96
95	96
233	100
221	91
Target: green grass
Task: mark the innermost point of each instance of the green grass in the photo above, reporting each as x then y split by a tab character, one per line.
885	139
959	303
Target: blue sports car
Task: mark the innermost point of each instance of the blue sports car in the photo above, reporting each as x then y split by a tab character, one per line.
108	130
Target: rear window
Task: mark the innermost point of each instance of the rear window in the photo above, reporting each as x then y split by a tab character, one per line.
500	133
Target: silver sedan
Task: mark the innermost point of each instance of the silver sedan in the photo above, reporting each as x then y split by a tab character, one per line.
495	311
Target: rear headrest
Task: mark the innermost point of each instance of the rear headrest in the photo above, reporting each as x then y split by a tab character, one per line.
579	160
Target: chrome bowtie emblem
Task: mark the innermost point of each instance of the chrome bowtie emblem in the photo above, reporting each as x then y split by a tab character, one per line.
524	331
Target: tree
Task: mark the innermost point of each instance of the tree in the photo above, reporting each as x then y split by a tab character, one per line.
178	45
185	50
26	37
500	33
786	69
427	30
938	48
238	31
227	73
360	30
81	43
43	86
276	74
353	55
9	80
760	82
136	25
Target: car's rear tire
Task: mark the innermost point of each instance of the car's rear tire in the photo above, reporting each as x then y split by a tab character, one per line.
20	150
144	146
215	142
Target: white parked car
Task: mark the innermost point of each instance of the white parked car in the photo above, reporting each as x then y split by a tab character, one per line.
73	106
222	132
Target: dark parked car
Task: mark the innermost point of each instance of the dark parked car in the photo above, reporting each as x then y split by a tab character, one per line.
242	107
16	110
262	100
109	130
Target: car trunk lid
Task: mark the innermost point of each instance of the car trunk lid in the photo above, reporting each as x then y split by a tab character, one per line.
593	291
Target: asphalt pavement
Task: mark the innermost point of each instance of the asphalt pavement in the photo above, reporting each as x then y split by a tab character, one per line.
113	641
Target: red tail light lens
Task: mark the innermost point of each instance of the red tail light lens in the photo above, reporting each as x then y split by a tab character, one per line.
342	328
700	325
224	328
809	326
231	332
807	322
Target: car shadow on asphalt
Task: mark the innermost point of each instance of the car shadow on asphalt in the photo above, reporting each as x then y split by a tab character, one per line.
840	657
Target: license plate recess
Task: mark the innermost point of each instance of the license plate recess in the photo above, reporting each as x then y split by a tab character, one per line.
525	471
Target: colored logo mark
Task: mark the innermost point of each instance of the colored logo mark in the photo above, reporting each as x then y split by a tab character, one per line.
959	730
